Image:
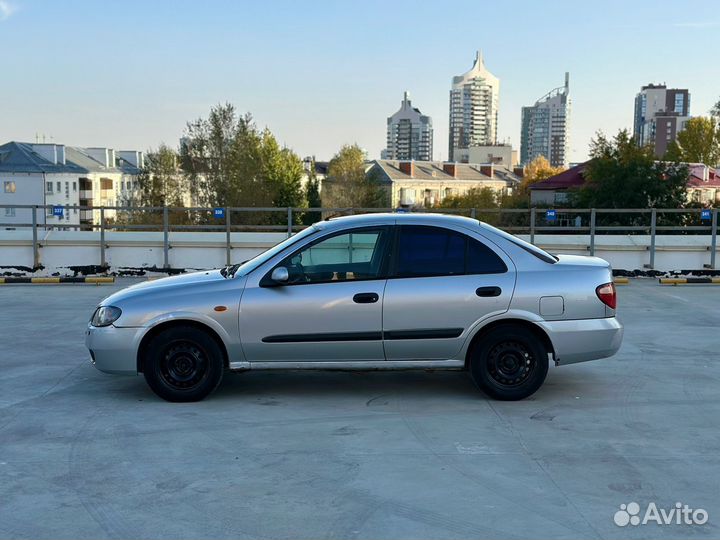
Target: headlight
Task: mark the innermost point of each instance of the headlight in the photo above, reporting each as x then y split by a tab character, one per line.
105	315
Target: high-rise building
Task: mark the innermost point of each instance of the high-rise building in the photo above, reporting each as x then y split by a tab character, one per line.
473	108
660	114
545	127
409	134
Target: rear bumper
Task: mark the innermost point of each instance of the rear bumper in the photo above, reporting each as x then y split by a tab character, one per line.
113	350
582	340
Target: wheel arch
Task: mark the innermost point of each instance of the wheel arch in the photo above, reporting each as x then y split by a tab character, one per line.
529	325
174	323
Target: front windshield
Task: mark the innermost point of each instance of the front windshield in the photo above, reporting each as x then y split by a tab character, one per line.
252	264
527	246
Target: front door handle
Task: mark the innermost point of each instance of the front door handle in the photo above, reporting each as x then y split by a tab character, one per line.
488	291
366	298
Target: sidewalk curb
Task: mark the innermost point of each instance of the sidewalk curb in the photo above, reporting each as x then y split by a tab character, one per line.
689	280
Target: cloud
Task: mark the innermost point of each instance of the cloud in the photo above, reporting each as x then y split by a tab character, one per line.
6	9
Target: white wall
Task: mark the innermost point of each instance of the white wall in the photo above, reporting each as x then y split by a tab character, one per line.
29	189
202	250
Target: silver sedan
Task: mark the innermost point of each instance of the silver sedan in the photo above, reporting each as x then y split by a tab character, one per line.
382	291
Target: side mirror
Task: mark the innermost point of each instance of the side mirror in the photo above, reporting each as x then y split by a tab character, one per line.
280	275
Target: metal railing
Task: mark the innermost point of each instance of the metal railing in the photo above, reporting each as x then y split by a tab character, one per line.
532	221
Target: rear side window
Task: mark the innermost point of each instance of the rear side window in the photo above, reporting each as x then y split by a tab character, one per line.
483	260
433	251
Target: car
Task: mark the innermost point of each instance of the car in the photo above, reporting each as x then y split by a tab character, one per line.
367	292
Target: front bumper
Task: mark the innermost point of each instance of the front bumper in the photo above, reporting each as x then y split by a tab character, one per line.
112	349
582	340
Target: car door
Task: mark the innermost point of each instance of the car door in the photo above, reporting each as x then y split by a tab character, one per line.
442	281
330	308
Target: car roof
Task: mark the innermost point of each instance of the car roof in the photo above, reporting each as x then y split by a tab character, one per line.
399	217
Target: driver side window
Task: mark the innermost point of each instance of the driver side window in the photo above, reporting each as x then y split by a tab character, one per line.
344	257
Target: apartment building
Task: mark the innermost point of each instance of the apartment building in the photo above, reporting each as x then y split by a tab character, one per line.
474	99
545	127
65	178
409	134
428	183
660	114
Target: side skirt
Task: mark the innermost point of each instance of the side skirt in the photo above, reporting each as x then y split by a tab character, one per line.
352	366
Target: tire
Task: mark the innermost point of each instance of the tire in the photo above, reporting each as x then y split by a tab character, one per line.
509	363
183	364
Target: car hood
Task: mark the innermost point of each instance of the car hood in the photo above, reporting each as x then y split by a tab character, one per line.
169	284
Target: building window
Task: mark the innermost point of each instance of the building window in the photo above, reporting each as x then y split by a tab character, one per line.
74	185
9	212
58	186
9	187
48	187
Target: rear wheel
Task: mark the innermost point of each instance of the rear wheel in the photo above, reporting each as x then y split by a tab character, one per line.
183	364
509	363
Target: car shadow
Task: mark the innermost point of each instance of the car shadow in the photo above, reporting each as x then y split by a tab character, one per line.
274	387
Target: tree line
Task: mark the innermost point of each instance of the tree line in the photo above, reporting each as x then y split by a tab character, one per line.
225	160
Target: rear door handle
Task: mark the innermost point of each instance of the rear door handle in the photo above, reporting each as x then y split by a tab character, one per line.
366	298
488	291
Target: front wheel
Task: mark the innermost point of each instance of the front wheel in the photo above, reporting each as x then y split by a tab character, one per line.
509	363
183	364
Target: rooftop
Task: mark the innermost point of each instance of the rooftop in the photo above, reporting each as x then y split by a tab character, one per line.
435	171
23	157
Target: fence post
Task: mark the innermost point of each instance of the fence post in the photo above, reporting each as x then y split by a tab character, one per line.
592	232
227	236
166	237
36	246
102	237
289	221
532	225
473	213
653	225
713	242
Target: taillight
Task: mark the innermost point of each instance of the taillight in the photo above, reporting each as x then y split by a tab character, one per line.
606	294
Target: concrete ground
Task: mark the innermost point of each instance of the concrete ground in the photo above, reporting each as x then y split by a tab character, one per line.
359	455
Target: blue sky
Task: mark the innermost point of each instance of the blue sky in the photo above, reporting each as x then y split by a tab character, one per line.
130	74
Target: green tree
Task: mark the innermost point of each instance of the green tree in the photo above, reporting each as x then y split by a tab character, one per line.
478	198
161	181
715	111
622	175
349	184
229	162
699	142
312	195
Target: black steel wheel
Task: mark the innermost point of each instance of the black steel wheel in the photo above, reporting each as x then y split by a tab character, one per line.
509	363
183	363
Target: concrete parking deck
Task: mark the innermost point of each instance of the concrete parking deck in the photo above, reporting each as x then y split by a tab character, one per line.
359	455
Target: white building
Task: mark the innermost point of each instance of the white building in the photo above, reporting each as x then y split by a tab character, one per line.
545	127
409	134
64	178
427	183
474	100
498	154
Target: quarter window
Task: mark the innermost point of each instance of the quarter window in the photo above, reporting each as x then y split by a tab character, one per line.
344	257
9	187
432	251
